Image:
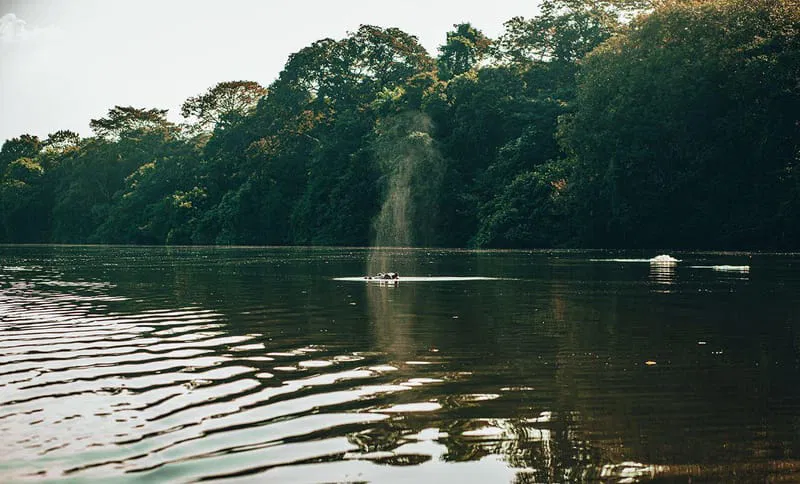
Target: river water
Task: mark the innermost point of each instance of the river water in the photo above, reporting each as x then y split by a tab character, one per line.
263	365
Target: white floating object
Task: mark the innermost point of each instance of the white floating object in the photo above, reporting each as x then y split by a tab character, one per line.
731	268
725	268
664	259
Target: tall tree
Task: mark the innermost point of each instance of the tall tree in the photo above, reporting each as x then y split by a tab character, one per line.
564	31
61	141
465	47
24	207
25	146
130	121
223	103
333	88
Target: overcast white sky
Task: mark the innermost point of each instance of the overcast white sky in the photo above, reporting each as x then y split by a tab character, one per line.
63	62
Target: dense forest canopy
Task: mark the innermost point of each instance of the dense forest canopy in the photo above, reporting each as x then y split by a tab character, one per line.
632	124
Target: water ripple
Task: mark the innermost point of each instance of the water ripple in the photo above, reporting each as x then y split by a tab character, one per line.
91	391
146	366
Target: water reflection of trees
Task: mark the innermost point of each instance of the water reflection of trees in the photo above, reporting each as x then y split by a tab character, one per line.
578	336
565	336
500	334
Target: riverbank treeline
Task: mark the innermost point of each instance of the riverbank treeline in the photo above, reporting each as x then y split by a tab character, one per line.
595	124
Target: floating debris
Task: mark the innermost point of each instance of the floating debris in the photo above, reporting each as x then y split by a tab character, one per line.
725	268
731	268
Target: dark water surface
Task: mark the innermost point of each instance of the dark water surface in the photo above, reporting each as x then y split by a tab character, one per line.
257	365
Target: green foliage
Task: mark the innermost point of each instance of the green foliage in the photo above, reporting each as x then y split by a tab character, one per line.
466	46
23	200
26	146
616	123
565	31
685	126
61	141
25	170
158	201
530	212
223	103
131	122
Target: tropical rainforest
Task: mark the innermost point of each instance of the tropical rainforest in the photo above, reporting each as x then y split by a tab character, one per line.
614	124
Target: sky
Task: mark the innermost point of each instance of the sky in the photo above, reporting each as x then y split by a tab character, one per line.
64	62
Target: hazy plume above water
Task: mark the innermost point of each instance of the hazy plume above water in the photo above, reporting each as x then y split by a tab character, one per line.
409	159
